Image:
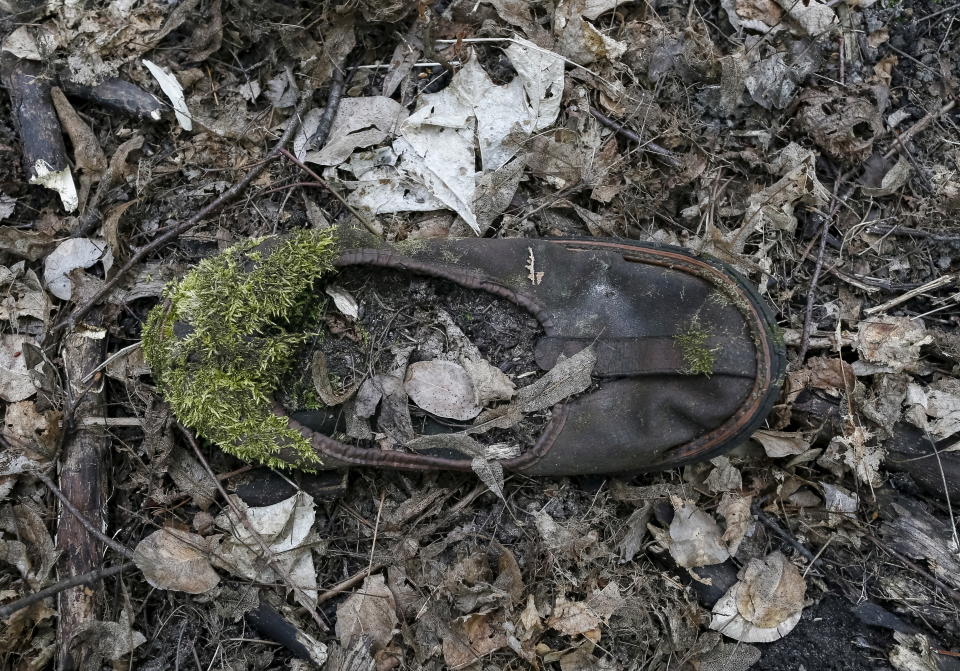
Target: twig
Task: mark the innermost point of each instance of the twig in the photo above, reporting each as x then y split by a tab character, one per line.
896	229
812	292
370	226
382	66
87	524
344	585
919	126
106	362
771	524
376	531
663	154
337	86
90	578
936	14
110	421
903	298
267	553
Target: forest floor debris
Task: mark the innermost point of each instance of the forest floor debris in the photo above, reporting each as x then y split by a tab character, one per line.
813	145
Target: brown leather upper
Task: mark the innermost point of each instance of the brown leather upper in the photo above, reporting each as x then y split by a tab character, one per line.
631	302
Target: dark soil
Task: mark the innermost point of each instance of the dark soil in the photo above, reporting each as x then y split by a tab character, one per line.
828	638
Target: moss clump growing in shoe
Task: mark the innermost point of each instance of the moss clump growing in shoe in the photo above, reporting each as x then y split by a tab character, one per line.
224	336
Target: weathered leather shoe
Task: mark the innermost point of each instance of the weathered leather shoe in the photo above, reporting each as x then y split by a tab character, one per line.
688	361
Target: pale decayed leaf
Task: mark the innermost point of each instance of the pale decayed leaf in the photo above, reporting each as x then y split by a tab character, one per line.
489	382
71	254
695	537
285	527
176	560
578	39
442	388
370	612
108	640
472	637
815	18
724	477
436	147
585	617
360	123
344	300
31	431
781	443
766	603
738	518
15	382
894	342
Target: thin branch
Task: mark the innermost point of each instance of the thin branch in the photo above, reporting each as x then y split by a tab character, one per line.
661	153
90	578
91	529
369	225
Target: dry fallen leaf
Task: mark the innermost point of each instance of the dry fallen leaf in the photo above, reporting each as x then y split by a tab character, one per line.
176	560
724	477
695	537
360	123
845	126
766	603
433	163
636	531
815	18
764	16
584	618
286	528
941	402
489	382
15	381
830	373
69	255
30	42
344	301
108	640
578	39
781	443
894	180
838	500
471	638
893	342
738	518
442	388
370	612
31	430
770	83
574	618
730	657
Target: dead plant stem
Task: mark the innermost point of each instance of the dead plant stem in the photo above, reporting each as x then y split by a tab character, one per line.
370	226
89	579
91	529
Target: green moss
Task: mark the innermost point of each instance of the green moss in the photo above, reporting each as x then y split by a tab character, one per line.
698	359
225	335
